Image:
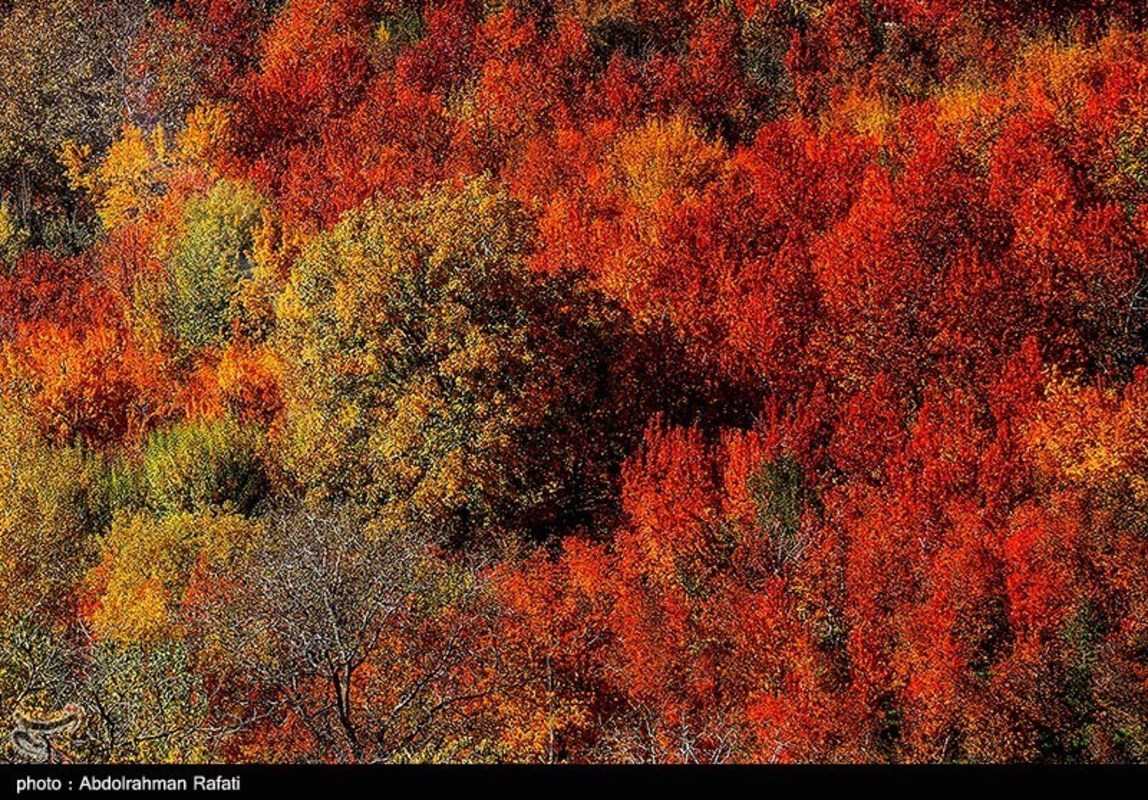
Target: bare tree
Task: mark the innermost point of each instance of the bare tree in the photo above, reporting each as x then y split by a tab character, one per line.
328	593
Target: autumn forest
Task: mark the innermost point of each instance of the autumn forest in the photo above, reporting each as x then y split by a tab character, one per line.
546	381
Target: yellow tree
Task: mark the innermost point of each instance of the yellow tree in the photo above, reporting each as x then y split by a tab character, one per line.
431	374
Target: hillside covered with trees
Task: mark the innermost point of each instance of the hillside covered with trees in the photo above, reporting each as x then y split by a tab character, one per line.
574	380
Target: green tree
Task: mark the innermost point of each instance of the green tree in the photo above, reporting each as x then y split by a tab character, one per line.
210	262
203	464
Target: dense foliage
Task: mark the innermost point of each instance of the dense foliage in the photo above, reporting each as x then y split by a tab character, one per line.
574	380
